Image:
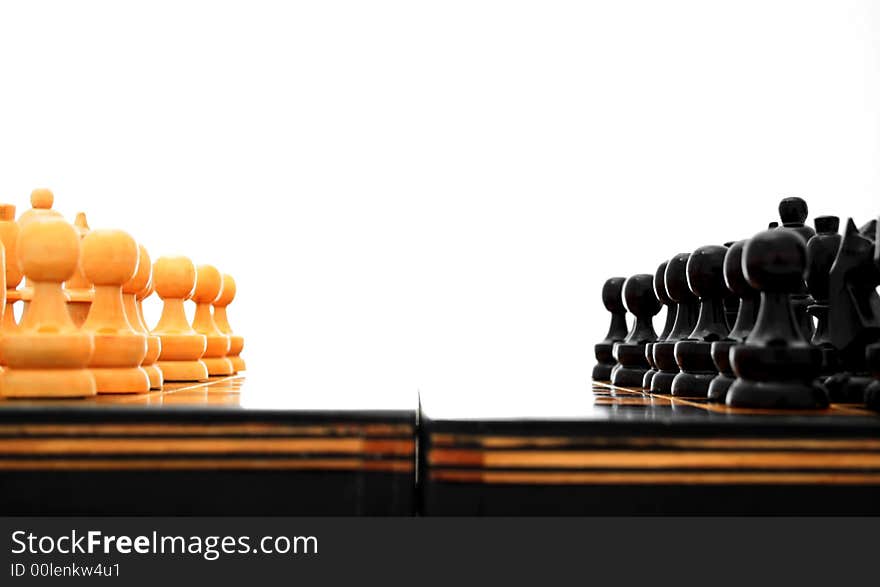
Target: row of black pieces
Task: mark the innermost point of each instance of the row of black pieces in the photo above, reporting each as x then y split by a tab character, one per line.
739	327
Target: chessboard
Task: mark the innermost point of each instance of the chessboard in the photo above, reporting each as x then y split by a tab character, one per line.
755	398
220	447
607	450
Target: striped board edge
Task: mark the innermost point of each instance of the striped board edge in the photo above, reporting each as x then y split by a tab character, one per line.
193	450
636	453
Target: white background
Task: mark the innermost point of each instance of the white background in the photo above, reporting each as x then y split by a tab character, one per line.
429	196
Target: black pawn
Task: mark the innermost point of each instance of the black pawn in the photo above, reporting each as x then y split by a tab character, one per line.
731	302
660	291
821	251
705	272
687	308
612	298
776	367
640	300
793	212
745	320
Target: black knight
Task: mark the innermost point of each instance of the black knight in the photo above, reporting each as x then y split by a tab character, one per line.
854	312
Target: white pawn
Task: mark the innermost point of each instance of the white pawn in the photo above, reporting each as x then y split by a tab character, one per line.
41	209
236	342
47	356
78	289
209	282
182	347
134	286
109	259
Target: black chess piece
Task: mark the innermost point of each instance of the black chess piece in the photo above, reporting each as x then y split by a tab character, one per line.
773	225
821	251
731	302
793	212
660	291
872	353
745	321
612	298
705	273
776	367
872	392
642	302
853	313
687	308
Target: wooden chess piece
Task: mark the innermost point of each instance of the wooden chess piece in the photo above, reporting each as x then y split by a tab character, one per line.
853	313
143	294
776	367
78	289
705	273
742	326
687	308
209	284
9	230
140	282
109	259
872	391
42	200
182	347
152	364
793	212
821	251
236	342
3	281
872	352
731	309
47	356
731	302
155	347
612	299
663	296
640	300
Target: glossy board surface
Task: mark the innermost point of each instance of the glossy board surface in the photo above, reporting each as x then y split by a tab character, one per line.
206	448
611	450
